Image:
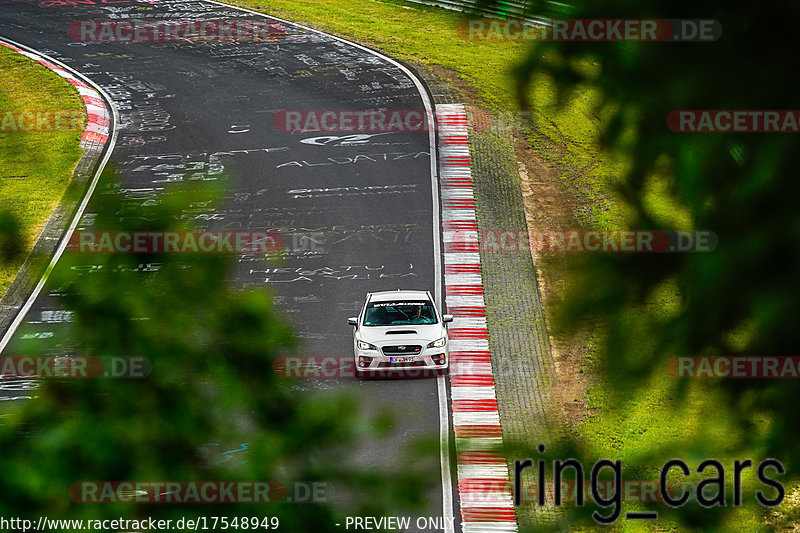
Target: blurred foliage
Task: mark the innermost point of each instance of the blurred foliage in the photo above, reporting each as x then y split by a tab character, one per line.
12	242
741	299
212	387
35	167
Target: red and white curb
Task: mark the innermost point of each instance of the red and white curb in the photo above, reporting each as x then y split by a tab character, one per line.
98	118
483	478
97	141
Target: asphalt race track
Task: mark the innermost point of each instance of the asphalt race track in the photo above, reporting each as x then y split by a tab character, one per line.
195	111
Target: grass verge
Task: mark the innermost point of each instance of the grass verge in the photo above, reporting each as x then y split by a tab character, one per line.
35	166
565	139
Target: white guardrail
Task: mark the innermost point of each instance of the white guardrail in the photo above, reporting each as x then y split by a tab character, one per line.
535	10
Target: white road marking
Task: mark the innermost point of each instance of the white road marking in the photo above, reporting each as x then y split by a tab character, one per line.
81	207
444	418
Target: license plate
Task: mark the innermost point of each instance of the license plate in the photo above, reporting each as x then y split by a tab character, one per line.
401	359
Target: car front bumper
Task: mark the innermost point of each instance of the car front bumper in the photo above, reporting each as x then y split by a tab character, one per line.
375	361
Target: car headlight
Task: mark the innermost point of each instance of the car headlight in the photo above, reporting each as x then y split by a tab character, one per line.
437	343
365	345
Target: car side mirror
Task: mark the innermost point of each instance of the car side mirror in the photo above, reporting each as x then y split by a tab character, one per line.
447	318
352	321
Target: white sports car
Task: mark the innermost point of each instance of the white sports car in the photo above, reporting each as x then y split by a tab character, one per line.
400	330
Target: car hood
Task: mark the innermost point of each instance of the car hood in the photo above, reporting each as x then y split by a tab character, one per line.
383	335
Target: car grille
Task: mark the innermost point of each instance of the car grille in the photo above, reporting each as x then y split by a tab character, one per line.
399	365
402	349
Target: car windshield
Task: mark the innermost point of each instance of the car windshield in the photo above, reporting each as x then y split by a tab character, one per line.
399	313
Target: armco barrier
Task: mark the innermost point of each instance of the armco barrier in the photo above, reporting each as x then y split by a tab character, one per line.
541	11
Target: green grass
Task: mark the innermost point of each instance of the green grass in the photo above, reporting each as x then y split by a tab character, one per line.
566	138
661	418
411	33
35	167
668	413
